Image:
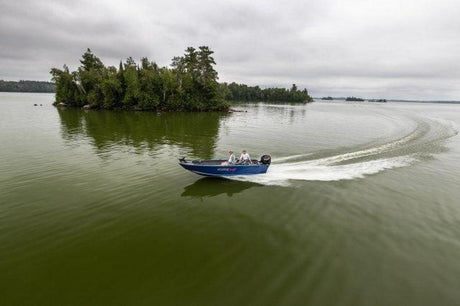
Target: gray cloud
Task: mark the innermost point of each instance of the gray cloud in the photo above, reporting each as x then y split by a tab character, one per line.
394	49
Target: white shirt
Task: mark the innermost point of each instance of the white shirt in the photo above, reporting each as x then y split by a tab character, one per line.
245	157
232	159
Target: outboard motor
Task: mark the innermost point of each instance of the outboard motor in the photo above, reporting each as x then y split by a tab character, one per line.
265	159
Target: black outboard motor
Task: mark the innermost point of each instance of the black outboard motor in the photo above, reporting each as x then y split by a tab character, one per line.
265	159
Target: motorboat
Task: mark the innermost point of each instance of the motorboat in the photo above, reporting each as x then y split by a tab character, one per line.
220	167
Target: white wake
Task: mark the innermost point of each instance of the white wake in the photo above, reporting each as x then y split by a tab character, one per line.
399	153
331	168
321	170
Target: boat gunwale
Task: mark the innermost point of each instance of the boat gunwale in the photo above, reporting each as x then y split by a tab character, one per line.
202	163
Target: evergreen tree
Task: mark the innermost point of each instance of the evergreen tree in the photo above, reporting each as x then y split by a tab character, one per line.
148	85
111	89
67	89
90	75
132	91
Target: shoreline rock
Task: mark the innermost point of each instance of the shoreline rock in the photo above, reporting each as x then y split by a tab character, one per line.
232	110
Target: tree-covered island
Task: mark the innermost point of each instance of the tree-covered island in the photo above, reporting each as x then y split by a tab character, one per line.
361	100
190	83
354	99
377	100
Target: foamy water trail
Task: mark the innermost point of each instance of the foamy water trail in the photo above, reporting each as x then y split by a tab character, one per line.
292	157
367	152
398	153
281	174
327	169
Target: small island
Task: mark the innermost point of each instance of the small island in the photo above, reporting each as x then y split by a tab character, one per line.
329	98
354	99
188	84
377	100
361	100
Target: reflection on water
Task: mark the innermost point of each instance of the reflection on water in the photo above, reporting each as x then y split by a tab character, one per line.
211	187
143	130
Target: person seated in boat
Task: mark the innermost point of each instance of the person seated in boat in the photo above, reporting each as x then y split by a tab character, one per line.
245	158
231	159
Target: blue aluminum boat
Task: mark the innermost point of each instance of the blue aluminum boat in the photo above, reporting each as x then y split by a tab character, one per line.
218	167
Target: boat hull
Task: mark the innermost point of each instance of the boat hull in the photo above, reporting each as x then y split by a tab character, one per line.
224	170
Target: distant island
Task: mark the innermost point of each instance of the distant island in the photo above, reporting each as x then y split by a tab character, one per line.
189	84
361	100
377	100
27	86
354	99
350	99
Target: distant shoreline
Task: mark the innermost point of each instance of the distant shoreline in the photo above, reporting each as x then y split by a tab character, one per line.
27	86
343	99
284	102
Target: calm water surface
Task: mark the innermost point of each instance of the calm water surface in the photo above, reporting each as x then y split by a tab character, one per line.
361	206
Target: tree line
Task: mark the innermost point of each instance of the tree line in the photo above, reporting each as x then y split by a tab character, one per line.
27	86
245	93
190	83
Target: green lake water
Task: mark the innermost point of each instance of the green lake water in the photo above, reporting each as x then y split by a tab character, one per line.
361	206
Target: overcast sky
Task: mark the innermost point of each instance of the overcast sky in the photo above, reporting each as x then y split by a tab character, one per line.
406	49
